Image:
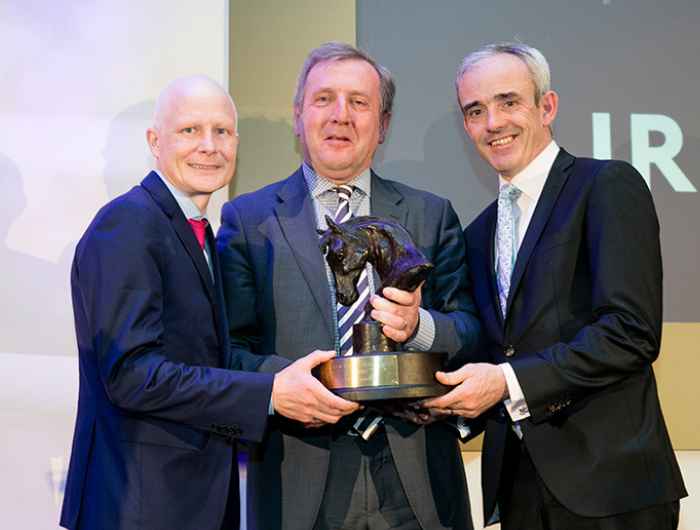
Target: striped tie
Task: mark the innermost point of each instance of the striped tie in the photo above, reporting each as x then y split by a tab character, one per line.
348	316
366	424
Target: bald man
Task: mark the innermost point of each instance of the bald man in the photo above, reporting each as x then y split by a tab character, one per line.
161	404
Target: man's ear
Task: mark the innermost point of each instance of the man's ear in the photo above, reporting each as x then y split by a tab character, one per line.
152	140
384	121
550	105
297	121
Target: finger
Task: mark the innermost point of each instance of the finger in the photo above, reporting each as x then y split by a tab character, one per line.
453	378
394	334
330	403
390	319
400	297
444	402
382	304
317	357
321	418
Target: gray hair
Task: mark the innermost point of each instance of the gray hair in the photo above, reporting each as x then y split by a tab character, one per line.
532	57
339	51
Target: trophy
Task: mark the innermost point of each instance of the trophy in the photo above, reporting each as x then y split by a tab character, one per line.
378	369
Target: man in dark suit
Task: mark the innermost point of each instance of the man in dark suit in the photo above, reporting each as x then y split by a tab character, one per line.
403	476
159	406
566	268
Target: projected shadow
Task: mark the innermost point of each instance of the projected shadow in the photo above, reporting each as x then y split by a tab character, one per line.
451	167
268	151
36	317
126	154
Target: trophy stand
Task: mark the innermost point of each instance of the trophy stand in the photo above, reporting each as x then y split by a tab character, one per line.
377	371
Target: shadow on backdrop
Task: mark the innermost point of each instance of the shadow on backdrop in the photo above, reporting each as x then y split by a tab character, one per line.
37	317
450	167
268	151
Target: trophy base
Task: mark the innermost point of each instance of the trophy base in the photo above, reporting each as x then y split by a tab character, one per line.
375	376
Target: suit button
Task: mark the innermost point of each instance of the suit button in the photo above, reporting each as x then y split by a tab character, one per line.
509	351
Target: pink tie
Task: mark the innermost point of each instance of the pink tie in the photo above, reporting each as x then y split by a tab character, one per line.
199	227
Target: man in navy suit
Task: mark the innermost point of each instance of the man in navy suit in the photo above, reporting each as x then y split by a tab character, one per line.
160	405
566	269
403	476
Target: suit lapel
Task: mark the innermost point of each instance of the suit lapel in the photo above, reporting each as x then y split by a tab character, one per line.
162	196
555	182
387	201
490	260
220	305
297	219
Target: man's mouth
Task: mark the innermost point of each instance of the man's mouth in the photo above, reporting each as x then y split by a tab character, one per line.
204	167
337	138
503	141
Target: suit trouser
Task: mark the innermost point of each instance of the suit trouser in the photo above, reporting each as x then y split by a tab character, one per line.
363	489
526	503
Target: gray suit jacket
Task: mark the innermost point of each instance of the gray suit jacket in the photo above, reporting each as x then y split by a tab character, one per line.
280	308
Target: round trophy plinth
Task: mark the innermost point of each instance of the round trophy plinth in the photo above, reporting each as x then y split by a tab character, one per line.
384	375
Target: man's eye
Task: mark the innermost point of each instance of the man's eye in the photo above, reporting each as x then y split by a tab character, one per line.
474	113
188	130
359	102
222	130
322	99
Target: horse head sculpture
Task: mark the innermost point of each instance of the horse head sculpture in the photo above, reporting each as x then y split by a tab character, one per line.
382	242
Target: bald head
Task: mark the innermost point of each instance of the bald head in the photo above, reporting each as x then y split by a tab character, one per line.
190	86
194	137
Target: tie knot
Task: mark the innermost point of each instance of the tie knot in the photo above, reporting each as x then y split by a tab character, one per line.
199	227
509	193
344	192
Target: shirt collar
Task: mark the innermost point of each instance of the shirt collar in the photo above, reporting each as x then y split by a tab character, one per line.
318	185
187	205
531	179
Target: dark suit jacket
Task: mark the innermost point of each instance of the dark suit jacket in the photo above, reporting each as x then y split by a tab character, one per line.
582	330
280	302
157	415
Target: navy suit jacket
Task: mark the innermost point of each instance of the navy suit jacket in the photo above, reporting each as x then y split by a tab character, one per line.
582	329
280	303
158	412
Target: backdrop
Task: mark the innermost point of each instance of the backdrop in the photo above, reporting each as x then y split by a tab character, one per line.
627	75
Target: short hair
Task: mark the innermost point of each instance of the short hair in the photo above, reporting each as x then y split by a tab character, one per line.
532	57
340	51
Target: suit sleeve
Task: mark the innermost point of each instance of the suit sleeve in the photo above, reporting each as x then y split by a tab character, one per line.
621	238
118	280
238	273
447	292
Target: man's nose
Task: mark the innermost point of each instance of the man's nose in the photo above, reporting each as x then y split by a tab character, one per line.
495	120
341	110
206	142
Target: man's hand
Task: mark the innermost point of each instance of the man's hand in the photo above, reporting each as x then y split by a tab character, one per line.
298	395
397	311
478	387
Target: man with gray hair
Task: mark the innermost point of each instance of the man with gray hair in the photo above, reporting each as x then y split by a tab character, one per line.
366	472
566	268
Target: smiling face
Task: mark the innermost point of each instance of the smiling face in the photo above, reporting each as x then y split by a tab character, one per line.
194	139
339	122
497	97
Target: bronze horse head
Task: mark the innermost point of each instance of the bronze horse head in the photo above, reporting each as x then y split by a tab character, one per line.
382	242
